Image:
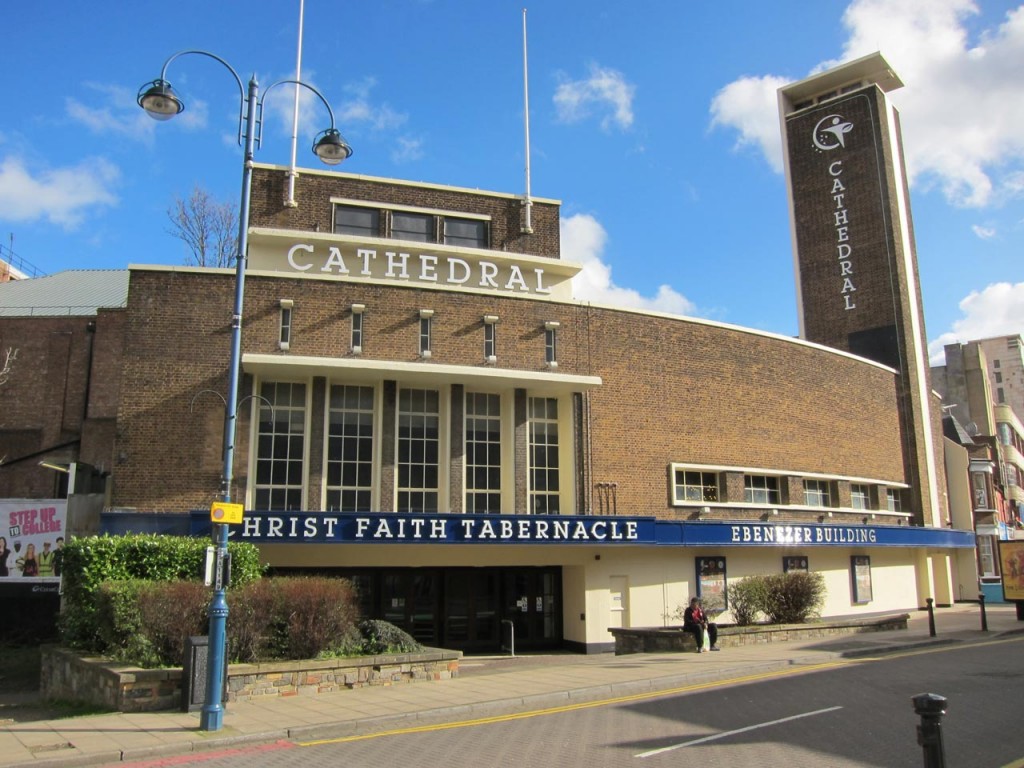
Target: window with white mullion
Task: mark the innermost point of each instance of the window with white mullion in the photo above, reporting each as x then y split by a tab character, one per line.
543	456
692	485
350	449
418	449
280	446
483	453
893	500
761	489
425	333
859	496
550	345
817	493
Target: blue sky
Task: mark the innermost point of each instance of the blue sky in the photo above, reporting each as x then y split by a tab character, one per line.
653	122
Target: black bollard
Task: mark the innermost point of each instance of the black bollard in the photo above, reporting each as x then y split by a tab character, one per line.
931	707
931	616
984	616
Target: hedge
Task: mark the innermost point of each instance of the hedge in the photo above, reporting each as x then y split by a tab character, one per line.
92	560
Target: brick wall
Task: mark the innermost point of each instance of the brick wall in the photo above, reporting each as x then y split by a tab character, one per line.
59	397
674	390
314	190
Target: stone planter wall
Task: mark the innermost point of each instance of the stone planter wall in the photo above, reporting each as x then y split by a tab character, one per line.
675	639
67	676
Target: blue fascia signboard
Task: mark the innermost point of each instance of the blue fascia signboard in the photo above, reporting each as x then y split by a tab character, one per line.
392	528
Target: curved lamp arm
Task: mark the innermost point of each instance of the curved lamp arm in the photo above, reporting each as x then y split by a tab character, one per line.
162	103
330	146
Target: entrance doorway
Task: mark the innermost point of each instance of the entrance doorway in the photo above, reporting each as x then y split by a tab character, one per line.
467	609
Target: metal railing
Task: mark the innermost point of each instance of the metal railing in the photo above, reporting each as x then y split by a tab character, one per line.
12	261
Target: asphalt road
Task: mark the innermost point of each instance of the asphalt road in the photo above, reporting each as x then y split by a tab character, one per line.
852	713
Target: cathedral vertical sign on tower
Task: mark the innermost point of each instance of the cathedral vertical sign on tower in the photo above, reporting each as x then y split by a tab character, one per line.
854	253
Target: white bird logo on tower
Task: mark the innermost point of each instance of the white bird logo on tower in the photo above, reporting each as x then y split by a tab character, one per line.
830	132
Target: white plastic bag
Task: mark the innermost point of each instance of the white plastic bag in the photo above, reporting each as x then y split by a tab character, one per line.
706	645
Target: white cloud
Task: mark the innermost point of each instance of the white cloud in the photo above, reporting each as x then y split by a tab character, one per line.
998	310
605	91
961	110
751	106
355	109
407	150
62	196
983	233
113	111
583	240
313	116
359	108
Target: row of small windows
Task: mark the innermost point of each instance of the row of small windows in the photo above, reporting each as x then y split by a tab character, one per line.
694	486
408	225
426	317
349	443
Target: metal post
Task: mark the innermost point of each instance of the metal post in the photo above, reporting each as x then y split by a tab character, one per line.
212	716
931	616
512	636
931	707
984	616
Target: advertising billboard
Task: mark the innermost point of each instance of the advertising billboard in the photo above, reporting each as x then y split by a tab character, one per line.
32	540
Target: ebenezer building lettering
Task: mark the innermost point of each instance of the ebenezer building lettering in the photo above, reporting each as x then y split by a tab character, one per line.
802	534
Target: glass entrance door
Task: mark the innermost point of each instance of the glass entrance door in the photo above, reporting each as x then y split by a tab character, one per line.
409	600
471	602
530	602
468	609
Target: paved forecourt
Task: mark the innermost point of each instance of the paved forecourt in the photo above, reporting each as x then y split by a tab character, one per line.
485	687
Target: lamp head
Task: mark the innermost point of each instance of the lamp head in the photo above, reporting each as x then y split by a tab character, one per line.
330	146
159	100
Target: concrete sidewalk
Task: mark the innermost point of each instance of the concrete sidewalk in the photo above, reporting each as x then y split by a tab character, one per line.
485	687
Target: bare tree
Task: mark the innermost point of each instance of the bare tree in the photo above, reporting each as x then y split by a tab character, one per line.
207	227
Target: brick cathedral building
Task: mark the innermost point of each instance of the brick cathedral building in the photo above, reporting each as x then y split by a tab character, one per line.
427	410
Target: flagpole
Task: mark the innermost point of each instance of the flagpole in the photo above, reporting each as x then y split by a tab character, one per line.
292	173
528	201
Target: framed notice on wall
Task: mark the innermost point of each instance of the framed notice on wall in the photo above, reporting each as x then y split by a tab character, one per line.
860	573
1011	562
711	583
794	564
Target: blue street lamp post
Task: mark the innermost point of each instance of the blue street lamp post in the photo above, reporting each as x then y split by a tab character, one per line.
161	103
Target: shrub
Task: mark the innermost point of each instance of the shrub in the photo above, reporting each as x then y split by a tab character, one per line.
250	636
146	622
382	637
747	599
793	598
321	615
118	620
292	618
171	612
90	561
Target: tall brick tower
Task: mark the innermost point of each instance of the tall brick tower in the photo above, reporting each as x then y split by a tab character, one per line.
853	238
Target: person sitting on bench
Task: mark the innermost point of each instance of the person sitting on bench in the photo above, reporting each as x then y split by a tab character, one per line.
696	622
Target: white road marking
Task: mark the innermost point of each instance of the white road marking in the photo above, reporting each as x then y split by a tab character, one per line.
724	734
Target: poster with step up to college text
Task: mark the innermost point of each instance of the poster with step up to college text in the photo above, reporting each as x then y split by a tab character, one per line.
32	540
